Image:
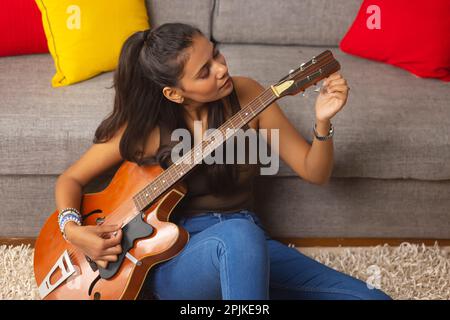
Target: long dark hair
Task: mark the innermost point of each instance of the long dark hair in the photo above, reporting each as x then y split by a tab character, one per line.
150	60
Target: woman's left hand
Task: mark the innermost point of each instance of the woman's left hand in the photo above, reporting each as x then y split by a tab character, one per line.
332	97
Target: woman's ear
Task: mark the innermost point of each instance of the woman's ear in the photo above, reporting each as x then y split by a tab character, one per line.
173	95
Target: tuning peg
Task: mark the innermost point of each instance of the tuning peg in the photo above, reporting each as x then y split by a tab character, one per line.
316	88
304	93
291	71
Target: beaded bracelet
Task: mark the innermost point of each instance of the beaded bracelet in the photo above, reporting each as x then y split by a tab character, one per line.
66	215
65	219
68	212
68	209
62	215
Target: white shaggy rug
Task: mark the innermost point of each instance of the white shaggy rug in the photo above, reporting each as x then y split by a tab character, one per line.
408	271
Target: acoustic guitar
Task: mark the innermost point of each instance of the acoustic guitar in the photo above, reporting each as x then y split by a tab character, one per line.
141	200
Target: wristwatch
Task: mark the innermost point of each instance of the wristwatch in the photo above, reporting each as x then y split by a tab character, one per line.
323	138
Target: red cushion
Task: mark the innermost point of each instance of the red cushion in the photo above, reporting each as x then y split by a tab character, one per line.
410	34
21	30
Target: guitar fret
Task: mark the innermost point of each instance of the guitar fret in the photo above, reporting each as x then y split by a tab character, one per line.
141	200
242	119
144	195
137	201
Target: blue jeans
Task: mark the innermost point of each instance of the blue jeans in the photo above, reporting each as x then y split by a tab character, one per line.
231	256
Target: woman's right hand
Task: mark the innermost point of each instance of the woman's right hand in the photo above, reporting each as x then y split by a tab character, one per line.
97	242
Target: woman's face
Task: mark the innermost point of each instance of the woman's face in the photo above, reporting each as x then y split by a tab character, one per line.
205	74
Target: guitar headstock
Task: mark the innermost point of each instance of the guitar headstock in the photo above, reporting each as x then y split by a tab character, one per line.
307	74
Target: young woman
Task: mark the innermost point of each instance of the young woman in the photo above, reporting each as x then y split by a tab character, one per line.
168	78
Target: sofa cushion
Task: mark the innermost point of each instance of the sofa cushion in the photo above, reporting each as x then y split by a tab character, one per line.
21	30
404	33
393	126
306	22
195	12
85	38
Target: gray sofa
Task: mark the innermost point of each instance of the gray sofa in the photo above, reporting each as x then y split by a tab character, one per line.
391	177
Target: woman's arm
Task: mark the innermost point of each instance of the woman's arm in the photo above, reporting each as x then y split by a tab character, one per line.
331	100
293	148
314	162
68	193
319	159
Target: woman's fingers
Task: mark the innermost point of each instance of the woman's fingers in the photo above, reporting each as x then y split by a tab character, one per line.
104	260
117	249
110	258
105	229
337	88
335	75
332	77
337	81
101	263
339	95
113	240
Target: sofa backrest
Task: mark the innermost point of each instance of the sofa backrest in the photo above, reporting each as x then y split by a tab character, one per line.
195	12
284	22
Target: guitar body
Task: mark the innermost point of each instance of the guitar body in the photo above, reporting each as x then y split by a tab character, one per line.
151	237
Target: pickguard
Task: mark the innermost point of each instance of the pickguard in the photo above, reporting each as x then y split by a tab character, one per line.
135	229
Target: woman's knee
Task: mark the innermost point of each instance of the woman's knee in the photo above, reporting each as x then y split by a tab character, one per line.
242	236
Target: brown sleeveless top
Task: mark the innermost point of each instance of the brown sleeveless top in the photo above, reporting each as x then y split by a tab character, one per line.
199	199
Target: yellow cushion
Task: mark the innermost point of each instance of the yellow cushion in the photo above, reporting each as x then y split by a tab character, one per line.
85	36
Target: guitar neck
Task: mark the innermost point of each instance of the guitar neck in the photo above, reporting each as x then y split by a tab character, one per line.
186	163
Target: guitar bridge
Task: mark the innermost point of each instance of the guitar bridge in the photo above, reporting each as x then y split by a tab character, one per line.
67	269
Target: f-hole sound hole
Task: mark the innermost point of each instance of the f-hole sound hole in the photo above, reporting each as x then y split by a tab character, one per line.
92	285
91	213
